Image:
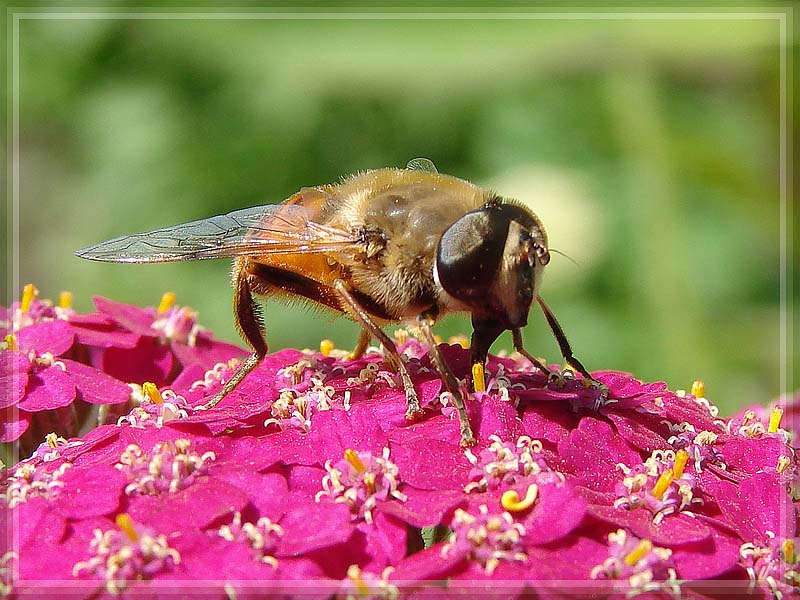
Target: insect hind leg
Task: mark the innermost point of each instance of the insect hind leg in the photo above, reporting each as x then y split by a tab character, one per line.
250	324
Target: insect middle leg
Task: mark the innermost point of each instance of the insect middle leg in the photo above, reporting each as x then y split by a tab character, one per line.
250	325
453	386
352	306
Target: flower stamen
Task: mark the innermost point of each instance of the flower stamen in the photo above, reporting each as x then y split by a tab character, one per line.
351	456
326	346
167	301
151	391
775	419
698	389
664	481
478	377
681	458
29	294
639	552
125	524
510	499
65	299
354	573
11	341
789	551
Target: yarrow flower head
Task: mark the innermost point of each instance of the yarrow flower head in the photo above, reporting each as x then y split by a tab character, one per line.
660	485
30	310
486	538
155	408
638	565
361	480
750	424
699	445
774	563
293	408
176	323
29	480
503	463
167	467
261	537
130	553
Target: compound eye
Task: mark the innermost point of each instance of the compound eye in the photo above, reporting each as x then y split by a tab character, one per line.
469	253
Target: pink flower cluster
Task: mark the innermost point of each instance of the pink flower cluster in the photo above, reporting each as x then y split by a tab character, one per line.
308	480
63	372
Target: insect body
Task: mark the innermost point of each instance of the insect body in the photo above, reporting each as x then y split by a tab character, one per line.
387	245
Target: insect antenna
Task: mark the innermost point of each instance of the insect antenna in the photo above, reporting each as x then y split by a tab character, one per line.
567	256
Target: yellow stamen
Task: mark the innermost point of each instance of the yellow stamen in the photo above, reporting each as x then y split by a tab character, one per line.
151	391
511	502
351	456
638	553
11	341
52	440
29	292
125	523
681	458
698	389
325	347
354	574
369	482
663	483
478	378
65	299
789	551
775	419
437	339
167	300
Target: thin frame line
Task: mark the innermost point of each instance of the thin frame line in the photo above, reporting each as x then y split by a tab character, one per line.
465	16
780	16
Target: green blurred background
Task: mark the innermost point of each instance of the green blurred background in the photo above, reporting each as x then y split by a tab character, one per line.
650	148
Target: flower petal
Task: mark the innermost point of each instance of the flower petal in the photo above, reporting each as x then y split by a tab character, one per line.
55	337
96	387
48	388
14	367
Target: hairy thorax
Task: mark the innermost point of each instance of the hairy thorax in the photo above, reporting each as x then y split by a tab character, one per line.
402	216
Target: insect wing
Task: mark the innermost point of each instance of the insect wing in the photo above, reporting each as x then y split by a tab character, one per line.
269	229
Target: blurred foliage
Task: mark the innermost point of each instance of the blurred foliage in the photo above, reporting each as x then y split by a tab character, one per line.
649	147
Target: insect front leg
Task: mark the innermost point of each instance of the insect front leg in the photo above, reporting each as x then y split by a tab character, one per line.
516	335
566	349
250	325
426	323
351	305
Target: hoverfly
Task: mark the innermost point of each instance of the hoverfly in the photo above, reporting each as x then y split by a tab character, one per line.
383	246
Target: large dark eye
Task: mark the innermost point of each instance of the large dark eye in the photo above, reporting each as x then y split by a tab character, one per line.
469	253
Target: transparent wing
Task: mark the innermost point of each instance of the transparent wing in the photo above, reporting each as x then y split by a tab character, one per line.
422	164
269	229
